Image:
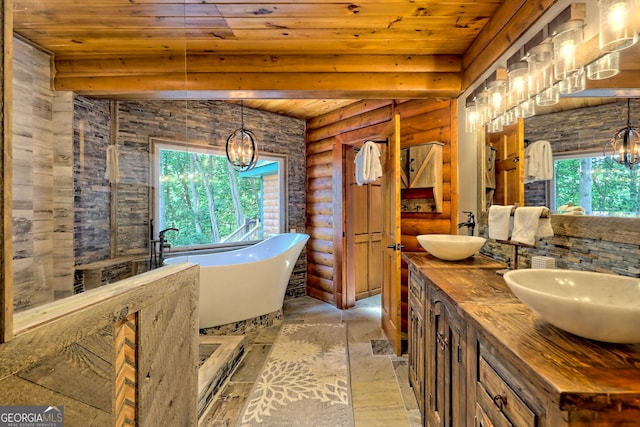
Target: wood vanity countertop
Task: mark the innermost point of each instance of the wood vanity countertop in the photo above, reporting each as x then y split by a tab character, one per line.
578	374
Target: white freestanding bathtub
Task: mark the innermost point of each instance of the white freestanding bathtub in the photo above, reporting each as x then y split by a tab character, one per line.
245	283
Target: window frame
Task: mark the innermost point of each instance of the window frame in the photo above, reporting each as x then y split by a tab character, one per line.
157	144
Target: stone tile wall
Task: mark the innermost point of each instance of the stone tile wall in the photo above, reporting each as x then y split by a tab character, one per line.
197	122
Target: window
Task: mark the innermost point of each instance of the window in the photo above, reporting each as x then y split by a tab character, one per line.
599	185
212	204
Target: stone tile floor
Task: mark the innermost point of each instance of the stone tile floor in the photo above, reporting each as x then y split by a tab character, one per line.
379	380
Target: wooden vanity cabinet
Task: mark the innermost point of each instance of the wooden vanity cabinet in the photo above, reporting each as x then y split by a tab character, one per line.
445	390
489	361
498	393
417	344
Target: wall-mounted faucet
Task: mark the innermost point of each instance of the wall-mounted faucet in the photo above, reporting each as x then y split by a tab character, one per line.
470	223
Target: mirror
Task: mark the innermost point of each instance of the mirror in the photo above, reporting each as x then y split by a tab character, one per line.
585	182
577	129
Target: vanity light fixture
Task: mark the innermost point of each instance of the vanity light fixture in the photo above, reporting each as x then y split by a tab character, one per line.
624	147
618	24
496	103
574	82
470	117
540	60
517	83
241	148
604	67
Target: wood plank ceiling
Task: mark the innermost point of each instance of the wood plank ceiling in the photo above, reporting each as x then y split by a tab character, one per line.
295	57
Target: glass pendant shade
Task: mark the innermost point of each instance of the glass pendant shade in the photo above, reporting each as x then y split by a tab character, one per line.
566	41
517	83
471	117
540	60
496	101
573	83
618	24
495	125
604	67
549	96
526	108
510	117
481	101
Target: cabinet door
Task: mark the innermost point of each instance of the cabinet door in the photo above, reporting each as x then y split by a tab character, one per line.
435	386
446	386
416	336
416	350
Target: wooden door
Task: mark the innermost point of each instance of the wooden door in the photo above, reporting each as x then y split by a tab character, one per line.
391	286
509	164
363	234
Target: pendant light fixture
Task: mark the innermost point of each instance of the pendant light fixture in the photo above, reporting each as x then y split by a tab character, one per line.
242	149
618	24
624	147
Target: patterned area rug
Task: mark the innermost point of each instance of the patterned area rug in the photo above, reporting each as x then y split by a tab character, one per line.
305	380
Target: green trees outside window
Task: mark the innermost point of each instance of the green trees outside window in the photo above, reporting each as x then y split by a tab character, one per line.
601	186
207	200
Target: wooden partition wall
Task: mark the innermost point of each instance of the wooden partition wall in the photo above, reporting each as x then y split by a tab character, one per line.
421	121
123	354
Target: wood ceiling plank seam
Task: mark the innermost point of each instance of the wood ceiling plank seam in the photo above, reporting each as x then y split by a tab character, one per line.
360	10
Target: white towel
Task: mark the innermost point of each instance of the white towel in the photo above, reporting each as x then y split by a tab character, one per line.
112	171
368	167
538	161
528	226
499	221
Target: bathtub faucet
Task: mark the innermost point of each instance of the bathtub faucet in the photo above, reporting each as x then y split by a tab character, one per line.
162	240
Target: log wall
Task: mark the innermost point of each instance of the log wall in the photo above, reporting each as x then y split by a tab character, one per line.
421	121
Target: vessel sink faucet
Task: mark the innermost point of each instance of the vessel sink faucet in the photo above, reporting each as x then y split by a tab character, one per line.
470	223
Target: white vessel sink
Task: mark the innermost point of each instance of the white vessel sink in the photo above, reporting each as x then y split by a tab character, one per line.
451	247
598	306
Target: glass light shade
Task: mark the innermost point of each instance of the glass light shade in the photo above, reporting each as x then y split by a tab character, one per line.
481	101
242	151
495	125
471	117
496	98
517	83
549	96
573	83
510	117
604	67
566	41
540	60
618	24
527	108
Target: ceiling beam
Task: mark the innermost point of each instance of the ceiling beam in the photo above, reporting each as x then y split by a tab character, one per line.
263	76
141	65
302	85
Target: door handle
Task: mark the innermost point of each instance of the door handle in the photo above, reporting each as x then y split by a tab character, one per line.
396	246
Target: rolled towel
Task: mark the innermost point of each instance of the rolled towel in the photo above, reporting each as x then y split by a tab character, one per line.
499	221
